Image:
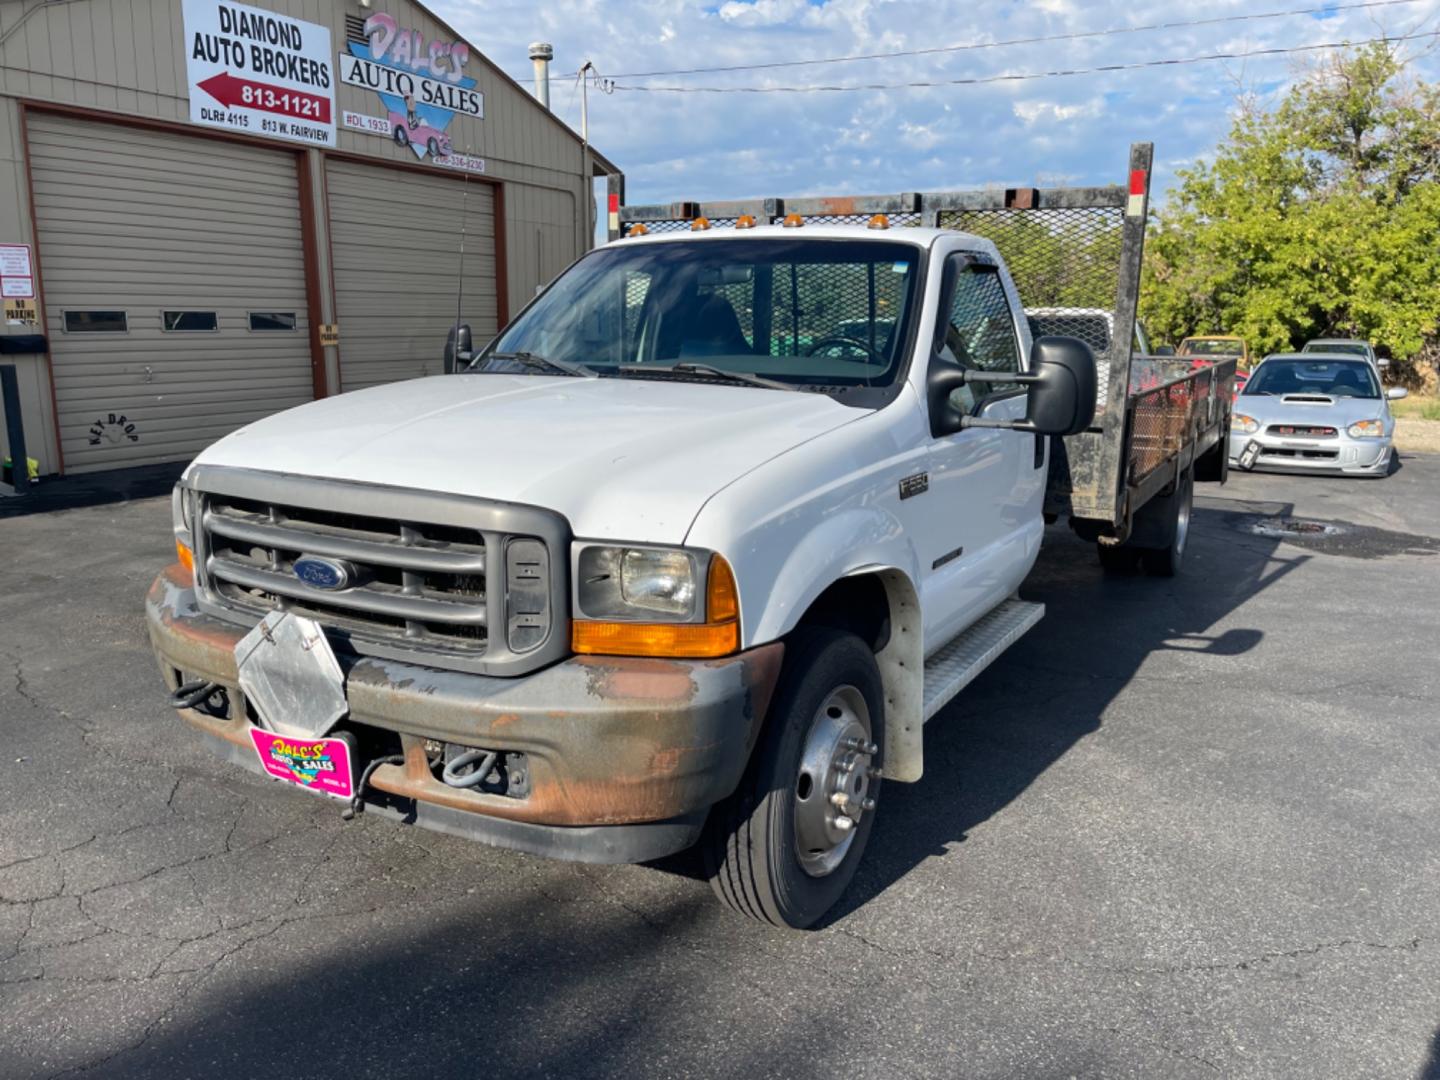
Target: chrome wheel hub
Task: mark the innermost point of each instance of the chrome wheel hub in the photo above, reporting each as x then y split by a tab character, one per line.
832	786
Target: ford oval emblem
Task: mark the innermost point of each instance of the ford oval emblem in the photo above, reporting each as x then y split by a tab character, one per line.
322	573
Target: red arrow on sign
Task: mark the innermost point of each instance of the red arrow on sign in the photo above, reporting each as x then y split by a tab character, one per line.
248	94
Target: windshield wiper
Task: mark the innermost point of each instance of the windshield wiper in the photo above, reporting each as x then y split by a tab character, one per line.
530	359
687	367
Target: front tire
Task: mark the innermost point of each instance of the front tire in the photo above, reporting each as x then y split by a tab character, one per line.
778	850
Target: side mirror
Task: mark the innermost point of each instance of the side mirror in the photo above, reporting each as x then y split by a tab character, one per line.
1061	384
1395	393
1062	397
458	348
1382	363
1164	350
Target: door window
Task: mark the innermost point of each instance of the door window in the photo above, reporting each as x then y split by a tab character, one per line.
980	333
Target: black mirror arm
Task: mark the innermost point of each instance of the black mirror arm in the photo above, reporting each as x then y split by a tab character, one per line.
1009	377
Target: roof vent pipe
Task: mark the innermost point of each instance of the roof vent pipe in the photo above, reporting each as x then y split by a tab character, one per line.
541	53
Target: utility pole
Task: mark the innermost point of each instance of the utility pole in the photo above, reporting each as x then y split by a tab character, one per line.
585	70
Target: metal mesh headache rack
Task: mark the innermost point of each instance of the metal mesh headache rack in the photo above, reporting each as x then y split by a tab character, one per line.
1075	255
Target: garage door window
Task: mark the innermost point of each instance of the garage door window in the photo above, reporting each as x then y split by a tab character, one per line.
96	322
190	322
272	320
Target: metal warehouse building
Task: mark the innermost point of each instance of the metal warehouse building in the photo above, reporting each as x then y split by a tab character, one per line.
210	211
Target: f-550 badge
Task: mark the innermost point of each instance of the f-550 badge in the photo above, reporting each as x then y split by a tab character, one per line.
914	485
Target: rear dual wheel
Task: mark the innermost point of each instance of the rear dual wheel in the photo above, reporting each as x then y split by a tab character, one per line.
785	845
1159	536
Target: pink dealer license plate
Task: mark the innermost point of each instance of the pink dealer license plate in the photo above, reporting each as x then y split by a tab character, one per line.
321	765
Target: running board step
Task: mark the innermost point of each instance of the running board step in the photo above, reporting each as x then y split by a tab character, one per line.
956	665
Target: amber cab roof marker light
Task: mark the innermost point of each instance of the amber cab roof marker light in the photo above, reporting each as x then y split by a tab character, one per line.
878	221
793	221
700	224
637	230
745	221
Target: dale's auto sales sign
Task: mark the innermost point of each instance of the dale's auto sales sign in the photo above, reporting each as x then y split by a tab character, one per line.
258	72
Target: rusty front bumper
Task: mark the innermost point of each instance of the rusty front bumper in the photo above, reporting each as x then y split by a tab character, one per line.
615	745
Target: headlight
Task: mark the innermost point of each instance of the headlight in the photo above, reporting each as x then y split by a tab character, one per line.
182	518
644	601
1245	425
1366	429
637	583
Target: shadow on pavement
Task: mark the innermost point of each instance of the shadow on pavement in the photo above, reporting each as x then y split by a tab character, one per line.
94	489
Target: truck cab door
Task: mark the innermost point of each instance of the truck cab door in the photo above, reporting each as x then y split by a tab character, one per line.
983	524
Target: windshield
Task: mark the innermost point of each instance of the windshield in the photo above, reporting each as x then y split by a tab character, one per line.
1334	378
1349	348
1211	347
814	313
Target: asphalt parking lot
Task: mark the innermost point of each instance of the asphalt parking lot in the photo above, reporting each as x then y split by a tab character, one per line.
1184	828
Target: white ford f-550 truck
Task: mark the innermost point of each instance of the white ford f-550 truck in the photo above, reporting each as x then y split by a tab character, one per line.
695	547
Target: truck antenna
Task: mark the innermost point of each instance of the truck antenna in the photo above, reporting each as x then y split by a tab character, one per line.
464	215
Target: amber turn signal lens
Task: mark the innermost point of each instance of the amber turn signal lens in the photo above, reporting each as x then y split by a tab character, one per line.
681	640
185	555
722	598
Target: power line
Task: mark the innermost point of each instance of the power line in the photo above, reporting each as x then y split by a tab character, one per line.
1019	77
1324	9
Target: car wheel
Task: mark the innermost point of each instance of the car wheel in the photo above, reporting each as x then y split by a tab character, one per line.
432	146
785	845
1173	518
402	137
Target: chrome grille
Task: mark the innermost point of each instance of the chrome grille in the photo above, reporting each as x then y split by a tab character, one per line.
418	583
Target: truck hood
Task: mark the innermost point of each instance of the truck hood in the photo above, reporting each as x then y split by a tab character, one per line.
627	458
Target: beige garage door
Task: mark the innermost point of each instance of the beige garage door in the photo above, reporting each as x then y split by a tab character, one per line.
395	236
174	288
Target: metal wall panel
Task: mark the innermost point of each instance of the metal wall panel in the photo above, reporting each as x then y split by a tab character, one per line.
395	236
144	222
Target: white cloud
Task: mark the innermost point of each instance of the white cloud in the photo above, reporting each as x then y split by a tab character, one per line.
1039	112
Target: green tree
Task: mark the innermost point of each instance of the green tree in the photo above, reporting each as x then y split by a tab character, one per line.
1317	217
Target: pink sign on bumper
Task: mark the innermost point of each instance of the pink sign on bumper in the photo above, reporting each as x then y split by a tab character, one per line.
321	765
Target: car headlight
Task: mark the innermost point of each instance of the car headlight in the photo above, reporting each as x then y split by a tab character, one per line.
1245	425
182	518
1366	429
636	583
651	601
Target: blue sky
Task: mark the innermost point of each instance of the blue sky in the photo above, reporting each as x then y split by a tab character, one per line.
1069	130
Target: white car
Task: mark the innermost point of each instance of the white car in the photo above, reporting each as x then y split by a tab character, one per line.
1314	412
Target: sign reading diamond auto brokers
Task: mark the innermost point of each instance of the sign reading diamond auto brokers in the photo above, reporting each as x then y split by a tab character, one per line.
258	72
